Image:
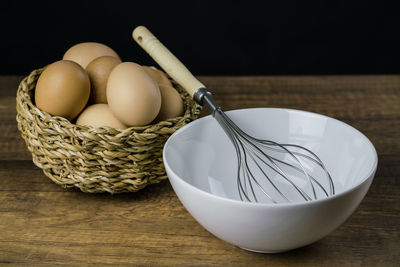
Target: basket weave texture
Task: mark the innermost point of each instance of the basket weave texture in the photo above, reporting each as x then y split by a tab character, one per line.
95	159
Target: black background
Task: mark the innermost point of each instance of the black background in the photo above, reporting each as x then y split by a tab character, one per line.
211	37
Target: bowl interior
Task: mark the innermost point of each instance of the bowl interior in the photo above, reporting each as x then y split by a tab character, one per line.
202	155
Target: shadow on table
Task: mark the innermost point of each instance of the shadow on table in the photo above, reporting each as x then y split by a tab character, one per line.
158	190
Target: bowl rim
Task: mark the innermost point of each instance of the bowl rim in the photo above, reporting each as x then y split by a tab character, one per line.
367	177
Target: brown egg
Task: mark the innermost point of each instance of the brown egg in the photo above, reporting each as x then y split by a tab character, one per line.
158	75
98	71
99	115
63	89
133	96
171	103
84	53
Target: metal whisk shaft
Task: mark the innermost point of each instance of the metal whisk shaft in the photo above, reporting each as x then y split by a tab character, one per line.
254	162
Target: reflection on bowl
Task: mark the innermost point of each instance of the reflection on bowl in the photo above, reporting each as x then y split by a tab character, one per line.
201	165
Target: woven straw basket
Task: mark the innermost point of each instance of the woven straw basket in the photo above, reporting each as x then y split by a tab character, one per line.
95	159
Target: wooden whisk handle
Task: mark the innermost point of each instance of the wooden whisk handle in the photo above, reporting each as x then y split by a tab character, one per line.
166	60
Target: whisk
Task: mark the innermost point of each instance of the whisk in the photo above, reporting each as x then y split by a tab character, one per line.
266	170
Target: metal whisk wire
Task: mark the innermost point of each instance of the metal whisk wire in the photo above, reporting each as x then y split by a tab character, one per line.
250	148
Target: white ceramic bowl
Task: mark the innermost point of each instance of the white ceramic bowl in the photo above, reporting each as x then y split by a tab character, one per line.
201	165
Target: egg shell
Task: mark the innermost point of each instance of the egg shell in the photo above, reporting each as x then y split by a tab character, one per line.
99	70
171	103
133	95
63	89
158	75
84	53
99	115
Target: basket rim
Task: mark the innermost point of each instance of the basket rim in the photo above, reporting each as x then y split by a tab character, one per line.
25	97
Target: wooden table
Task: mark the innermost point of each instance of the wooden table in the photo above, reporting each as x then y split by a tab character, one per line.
44	224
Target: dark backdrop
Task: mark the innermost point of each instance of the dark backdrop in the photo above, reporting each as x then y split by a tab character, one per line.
211	37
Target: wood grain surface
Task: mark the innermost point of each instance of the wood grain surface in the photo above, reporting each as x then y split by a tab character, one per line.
44	224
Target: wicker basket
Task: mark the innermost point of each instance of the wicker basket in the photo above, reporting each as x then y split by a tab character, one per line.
95	159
